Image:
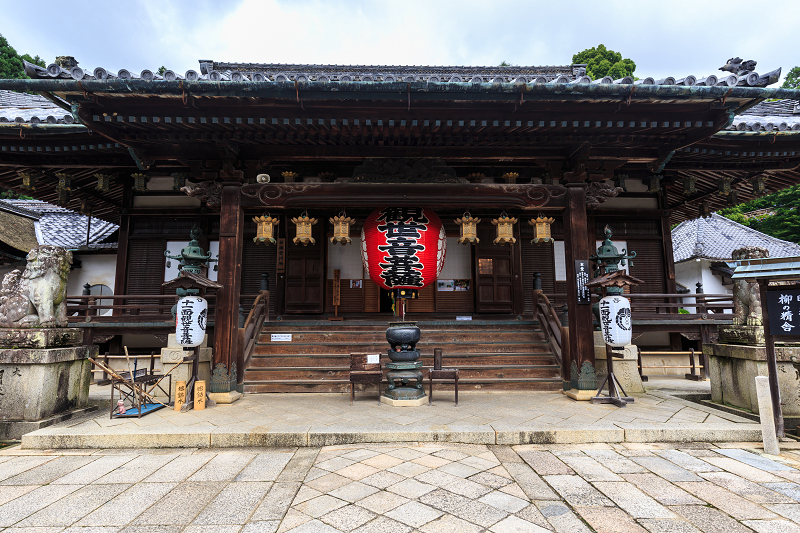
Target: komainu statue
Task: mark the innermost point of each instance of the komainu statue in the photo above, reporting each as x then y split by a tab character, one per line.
746	295
36	298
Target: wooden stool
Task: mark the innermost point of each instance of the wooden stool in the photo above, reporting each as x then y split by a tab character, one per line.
437	372
363	372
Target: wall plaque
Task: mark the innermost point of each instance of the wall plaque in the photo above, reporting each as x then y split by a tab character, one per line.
783	310
581	279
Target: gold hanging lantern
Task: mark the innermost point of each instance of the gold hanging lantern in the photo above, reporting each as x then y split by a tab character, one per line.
289	176
468	229
505	229
655	184
86	208
705	210
341	228
476	177
304	223
265	229
139	182
178	180
510	177
689	185
760	185
64	188
541	229
28	180
733	198
103	182
63	197
724	186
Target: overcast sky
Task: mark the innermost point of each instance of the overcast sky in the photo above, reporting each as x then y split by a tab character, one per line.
672	38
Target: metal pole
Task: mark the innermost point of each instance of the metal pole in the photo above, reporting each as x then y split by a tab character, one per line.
772	365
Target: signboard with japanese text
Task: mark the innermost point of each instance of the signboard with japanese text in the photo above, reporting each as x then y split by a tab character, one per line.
615	321
783	310
190	321
581	279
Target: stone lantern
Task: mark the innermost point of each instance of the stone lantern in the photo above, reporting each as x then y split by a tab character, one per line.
468	228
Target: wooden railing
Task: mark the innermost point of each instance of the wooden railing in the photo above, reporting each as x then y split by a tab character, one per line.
248	333
557	335
645	306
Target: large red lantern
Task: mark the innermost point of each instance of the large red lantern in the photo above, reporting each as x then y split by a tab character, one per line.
403	247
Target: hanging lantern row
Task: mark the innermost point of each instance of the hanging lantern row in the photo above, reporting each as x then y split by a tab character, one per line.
655	184
724	186
265	229
140	182
759	184
541	229
505	229
689	185
341	228
103	182
467	229
178	180
304	223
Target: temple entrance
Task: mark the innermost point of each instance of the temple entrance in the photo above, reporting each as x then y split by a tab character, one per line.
305	274
494	273
386	301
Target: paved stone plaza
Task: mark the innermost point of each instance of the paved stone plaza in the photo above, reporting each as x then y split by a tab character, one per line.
388	488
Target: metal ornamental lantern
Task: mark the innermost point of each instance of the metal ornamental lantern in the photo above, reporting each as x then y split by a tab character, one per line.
403	247
541	229
724	186
103	182
28	180
341	228
759	185
265	229
689	185
615	321
139	182
505	229
468	229
304	223
190	321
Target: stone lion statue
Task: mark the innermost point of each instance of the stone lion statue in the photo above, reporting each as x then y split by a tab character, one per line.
36	298
746	296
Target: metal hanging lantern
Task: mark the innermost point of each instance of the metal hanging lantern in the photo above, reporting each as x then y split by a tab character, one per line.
689	185
733	198
64	188
760	185
655	184
28	181
63	197
178	180
468	229
265	229
705	210
341	228
541	229
505	229
139	182
289	176
86	208
103	182
304	223
724	186
510	177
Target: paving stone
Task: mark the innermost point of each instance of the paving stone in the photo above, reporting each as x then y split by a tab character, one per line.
787	510
383	501
490	480
479	463
73	507
314	526
382	461
17	465
265	467
514	490
276	502
304	494
513	524
532	514
756	461
467	488
791	490
135	470
223	467
299	465
689	462
348	517
615	462
406	454
666	469
450	524
234	504
747	489
360	454
334	464
414	514
445	500
609	520
505	454
667	525
459	469
632	500
217	528
292	520
411	488
746	471
530	483
74	529
452	455
8	493
180	505
408	469
328	482
264	526
357	471
438	478
576	491
49	471
772	526
736	506
321	505
561	517
125	507
589	469
383	525
479	513
382	479
176	470
661	490
505	502
545	463
431	461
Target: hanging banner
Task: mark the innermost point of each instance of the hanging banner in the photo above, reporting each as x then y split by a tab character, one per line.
615	321
403	247
190	321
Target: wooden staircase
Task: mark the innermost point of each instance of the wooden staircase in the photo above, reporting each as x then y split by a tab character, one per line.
491	355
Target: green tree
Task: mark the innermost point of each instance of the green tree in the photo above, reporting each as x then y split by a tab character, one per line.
11	62
600	61
782	220
792	80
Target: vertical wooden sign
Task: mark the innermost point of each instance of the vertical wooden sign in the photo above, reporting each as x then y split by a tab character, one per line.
180	394
337	287
199	395
581	279
281	259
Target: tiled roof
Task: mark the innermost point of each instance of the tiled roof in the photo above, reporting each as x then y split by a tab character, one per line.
31	108
62	227
781	115
717	237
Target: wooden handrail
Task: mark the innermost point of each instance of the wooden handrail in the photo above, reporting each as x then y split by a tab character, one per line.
557	335
248	333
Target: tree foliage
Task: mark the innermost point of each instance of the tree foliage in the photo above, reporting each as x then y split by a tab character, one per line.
782	220
11	62
600	61
792	80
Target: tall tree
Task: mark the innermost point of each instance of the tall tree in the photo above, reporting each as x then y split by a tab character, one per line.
781	218
792	80
600	61
11	62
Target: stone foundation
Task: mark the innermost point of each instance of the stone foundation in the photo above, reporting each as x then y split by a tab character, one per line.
626	369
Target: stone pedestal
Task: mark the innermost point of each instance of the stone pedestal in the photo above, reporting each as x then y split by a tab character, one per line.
175	353
750	335
626	369
733	369
41	385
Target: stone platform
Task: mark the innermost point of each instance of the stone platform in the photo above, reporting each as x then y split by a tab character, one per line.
480	418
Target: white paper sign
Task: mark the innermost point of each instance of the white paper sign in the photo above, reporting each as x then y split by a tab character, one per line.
463	318
373	358
281	337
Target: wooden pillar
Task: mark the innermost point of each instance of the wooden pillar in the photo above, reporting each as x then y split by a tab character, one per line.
226	313
772	364
578	246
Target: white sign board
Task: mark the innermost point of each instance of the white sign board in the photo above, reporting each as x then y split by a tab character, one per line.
190	321
463	318
373	358
281	337
615	320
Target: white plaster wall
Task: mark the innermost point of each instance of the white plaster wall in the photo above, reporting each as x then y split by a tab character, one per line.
688	273
713	284
96	269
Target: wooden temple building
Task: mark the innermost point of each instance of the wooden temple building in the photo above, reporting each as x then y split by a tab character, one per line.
217	148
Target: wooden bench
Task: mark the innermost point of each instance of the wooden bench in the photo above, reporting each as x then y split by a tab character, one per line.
363	371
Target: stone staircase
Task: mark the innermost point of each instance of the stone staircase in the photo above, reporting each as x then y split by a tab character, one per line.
491	355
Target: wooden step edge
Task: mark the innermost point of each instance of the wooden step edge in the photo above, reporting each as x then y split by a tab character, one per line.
555	379
346	368
326	343
447	355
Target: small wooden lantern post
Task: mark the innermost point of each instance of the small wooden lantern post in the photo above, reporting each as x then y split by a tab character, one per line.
304	223
505	229
468	229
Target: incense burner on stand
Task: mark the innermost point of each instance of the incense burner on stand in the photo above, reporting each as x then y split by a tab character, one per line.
405	370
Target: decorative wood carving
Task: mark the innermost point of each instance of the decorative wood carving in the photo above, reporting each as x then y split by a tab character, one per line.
600	191
209	192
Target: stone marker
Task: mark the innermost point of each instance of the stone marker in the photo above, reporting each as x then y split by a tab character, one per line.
767	418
